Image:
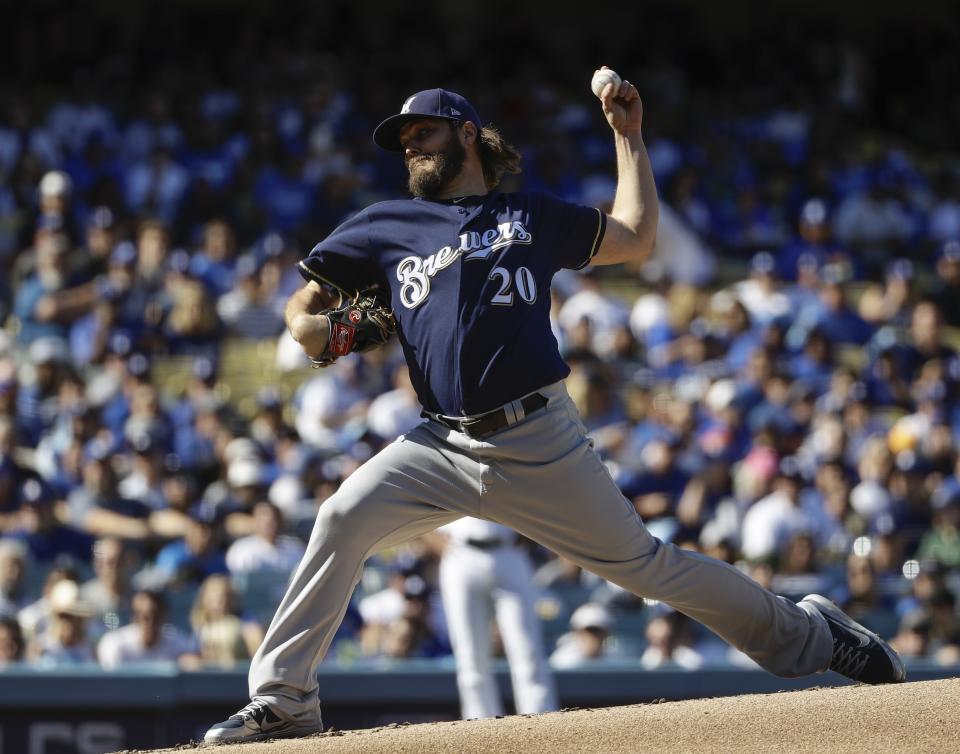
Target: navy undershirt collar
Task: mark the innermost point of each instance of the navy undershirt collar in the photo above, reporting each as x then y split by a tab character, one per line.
461	201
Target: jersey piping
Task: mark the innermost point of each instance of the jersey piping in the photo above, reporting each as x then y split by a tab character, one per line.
305	270
597	239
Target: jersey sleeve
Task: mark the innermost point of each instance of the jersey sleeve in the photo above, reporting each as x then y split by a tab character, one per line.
343	259
576	231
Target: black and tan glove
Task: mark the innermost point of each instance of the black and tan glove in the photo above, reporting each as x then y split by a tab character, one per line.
360	325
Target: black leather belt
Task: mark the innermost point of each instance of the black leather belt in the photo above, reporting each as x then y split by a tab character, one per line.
486	424
488	544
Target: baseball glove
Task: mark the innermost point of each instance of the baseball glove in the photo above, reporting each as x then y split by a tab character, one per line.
361	325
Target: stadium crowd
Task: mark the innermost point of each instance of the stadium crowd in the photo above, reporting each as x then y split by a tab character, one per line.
777	388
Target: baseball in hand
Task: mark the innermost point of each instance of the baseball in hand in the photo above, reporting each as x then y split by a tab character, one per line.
603	77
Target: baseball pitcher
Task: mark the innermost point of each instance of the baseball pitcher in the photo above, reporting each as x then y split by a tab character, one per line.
466	272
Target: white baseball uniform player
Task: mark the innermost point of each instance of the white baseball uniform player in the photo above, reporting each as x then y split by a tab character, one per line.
484	574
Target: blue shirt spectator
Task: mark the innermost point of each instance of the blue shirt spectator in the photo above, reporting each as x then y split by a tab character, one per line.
44	536
197	555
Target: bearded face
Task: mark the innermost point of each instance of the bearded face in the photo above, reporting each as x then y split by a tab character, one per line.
431	173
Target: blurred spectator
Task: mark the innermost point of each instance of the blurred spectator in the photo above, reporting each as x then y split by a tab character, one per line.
943	618
807	287
670	640
214	262
35	617
927	341
78	117
946	290
930	579
13	596
590	626
863	600
266	549
379	609
664	336
813	367
874	220
762	294
224	638
55	208
197	555
592	390
65	640
944	221
190	323
830	313
401	617
657	488
148	437
589	308
268	426
98	508
253	308
899	293
282	192
48	300
148	638
153	246
702	495
180	492
109	592
12	645
153	126
247	480
329	400
413	633
156	184
10	471
772	521
41	531
813	248
396	411
913	636
36	399
558	572
102	234
942	542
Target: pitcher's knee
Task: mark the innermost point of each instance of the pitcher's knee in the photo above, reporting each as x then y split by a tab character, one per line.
630	567
341	513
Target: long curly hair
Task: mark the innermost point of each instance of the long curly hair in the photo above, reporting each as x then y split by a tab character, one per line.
497	156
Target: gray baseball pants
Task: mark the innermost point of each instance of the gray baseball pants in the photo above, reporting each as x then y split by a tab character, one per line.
542	478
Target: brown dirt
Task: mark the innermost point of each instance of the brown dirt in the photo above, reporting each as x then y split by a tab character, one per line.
909	717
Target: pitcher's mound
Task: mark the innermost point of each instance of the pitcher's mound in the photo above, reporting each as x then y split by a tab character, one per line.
908	717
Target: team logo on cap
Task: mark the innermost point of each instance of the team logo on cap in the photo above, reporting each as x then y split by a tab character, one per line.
406	105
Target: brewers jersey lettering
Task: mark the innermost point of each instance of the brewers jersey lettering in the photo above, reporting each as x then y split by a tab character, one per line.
470	288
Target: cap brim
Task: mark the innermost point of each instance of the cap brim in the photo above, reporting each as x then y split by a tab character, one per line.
387	134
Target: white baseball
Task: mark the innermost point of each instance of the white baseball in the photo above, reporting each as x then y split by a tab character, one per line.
603	77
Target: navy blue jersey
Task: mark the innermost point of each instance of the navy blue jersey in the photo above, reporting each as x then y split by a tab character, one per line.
470	287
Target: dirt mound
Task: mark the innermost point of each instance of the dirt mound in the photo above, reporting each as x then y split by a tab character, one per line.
910	717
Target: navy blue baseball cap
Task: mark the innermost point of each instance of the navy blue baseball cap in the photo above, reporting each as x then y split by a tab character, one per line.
431	103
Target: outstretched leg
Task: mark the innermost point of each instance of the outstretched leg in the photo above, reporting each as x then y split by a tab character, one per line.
411	487
545	481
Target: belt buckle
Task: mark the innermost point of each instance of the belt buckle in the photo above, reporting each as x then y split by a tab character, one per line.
466	427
